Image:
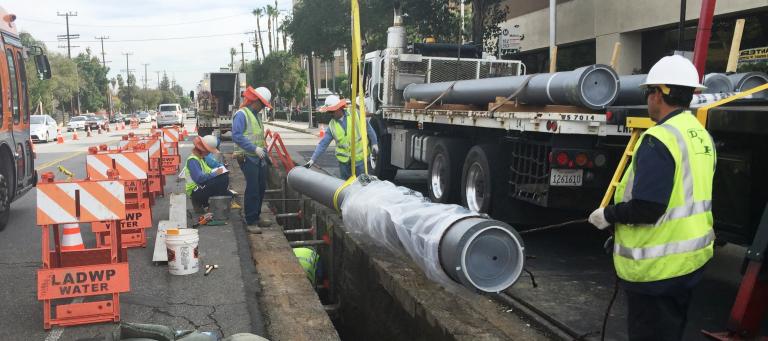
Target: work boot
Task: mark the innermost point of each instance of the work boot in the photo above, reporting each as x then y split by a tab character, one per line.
255	229
197	208
264	222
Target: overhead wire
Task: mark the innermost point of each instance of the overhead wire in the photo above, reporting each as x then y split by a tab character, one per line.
154	39
136	25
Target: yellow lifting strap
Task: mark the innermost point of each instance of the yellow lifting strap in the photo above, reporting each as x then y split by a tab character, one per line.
640	124
358	110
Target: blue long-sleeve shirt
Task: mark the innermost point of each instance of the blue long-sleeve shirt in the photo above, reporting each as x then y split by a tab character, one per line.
238	128
196	172
211	161
326	141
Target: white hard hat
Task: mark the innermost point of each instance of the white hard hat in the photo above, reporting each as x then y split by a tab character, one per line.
674	70
211	141
265	94
333	103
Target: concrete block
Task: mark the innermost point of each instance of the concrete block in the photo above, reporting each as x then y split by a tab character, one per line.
178	209
160	254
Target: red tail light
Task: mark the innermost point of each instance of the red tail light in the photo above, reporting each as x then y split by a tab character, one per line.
562	159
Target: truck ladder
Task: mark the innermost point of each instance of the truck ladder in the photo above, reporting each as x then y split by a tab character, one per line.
638	125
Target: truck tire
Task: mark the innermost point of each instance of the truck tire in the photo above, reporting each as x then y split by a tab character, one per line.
477	187
443	172
380	165
6	187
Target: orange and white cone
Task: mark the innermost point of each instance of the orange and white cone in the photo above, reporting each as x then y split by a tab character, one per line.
88	131
74	135
71	238
59	137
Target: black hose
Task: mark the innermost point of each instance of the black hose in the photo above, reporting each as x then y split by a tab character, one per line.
608	309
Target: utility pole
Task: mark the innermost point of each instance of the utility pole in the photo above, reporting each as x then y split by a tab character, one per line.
158	79
68	37
103	58
127	69
145	75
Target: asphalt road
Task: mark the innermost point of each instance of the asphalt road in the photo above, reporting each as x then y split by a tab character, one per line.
216	303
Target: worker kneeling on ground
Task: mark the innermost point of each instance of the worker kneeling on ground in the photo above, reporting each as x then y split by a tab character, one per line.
662	211
205	179
339	130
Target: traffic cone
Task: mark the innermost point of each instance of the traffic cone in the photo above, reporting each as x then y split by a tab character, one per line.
99	130
108	128
74	135
71	238
59	137
88	131
321	133
122	125
185	133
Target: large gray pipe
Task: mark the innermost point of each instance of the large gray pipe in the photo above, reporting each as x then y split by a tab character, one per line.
595	87
478	253
717	83
748	80
631	93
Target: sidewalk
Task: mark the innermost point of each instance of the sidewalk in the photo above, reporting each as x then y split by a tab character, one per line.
301	127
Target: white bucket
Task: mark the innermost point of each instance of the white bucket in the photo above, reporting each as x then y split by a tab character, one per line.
182	251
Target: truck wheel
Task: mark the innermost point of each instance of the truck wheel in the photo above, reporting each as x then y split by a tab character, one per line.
443	173
477	178
380	166
6	188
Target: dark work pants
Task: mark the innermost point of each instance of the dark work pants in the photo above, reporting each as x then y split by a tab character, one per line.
657	318
216	186
345	171
255	172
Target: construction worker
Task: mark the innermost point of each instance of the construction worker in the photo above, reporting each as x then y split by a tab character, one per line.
248	135
662	212
203	180
339	130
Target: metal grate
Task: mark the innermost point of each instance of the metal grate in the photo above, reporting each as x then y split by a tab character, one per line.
529	171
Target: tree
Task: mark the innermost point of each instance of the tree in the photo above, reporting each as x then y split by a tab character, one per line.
165	84
283	24
93	84
281	73
232	53
486	17
275	14
258	12
270	11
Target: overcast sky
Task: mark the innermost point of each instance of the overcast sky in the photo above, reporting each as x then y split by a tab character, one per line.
139	20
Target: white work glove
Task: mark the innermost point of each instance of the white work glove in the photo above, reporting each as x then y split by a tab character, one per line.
309	164
375	148
597	218
260	152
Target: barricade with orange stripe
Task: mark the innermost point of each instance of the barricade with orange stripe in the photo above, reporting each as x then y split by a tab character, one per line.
132	165
156	180
81	272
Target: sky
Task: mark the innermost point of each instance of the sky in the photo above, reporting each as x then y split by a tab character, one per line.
218	26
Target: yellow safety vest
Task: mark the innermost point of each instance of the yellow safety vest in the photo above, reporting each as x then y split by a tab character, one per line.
308	259
343	141
681	241
254	132
190	185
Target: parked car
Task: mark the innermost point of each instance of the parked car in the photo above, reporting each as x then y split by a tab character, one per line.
116	118
170	114
94	122
75	123
190	113
127	118
144	117
42	128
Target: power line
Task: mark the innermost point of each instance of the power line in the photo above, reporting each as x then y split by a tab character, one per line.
163	39
149	25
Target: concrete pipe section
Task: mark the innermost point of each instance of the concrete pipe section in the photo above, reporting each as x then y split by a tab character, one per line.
748	80
595	87
717	83
452	245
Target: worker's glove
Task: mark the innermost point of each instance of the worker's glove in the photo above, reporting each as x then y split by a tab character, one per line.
375	148
260	152
309	164
597	218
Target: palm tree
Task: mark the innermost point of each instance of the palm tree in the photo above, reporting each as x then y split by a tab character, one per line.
283	25
232	53
258	13
277	39
270	12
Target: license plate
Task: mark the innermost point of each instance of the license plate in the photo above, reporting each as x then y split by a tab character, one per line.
566	177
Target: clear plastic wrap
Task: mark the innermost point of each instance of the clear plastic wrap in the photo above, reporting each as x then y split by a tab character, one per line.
403	221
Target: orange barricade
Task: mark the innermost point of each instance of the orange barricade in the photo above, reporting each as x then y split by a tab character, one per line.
80	272
156	180
132	165
170	158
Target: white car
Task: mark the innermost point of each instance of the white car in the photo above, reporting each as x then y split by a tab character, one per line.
42	128
75	123
169	114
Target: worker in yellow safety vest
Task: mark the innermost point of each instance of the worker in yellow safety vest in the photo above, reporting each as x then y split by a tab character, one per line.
340	130
250	152
204	180
662	209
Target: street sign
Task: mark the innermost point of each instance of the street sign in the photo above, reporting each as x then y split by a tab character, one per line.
510	39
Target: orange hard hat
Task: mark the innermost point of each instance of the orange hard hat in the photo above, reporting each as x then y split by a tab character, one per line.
261	94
